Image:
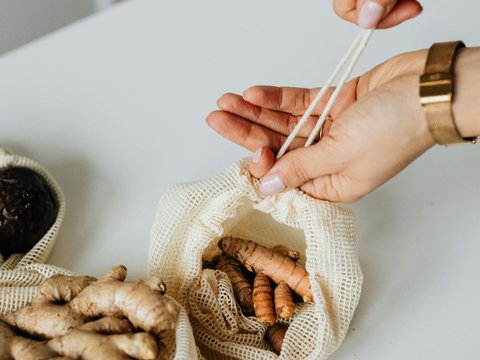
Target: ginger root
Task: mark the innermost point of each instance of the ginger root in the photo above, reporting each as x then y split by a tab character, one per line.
106	338
138	301
62	288
27	349
141	302
275	335
262	300
283	301
108	325
82	317
48	316
13	346
89	345
242	288
273	264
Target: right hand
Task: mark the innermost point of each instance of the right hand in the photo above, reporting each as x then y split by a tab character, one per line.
380	14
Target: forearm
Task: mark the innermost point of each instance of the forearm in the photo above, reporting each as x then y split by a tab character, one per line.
466	104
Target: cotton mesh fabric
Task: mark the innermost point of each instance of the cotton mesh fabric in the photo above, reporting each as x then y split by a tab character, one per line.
192	217
21	274
180	344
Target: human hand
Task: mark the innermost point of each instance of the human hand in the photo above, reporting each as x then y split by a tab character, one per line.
380	14
378	129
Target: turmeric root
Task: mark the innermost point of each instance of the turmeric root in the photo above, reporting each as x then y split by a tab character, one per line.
242	288
276	266
88	345
141	302
283	250
275	335
262	300
283	301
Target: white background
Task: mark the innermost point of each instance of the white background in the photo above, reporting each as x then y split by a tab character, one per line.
114	106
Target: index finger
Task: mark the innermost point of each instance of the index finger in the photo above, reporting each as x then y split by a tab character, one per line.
296	100
292	100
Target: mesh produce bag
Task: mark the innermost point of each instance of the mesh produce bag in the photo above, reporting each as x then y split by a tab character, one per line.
192	217
190	220
20	274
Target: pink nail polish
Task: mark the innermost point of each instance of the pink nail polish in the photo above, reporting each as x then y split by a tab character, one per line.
370	14
271	185
257	155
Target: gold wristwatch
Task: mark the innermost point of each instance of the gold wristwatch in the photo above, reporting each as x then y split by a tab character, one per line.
436	93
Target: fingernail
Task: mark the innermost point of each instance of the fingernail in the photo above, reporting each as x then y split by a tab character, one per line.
257	155
271	185
370	14
245	94
221	103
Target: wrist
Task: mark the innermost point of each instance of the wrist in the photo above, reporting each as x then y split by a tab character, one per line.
410	63
466	105
419	131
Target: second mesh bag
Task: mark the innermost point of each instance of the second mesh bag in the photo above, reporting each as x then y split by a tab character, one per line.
20	274
190	220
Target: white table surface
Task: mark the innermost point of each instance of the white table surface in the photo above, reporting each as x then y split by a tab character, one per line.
114	106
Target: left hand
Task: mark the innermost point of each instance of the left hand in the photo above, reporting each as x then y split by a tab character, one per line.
381	106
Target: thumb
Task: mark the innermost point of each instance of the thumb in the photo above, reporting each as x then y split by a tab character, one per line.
373	11
296	168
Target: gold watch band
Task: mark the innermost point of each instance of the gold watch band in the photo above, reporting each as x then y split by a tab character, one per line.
436	93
